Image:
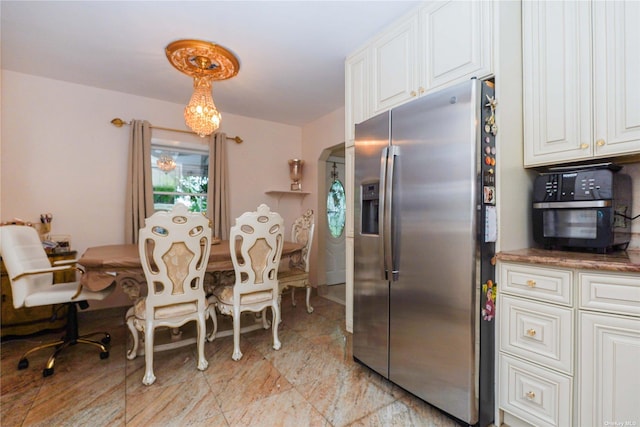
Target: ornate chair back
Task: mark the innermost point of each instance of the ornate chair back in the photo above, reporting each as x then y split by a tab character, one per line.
174	251
256	242
302	232
298	274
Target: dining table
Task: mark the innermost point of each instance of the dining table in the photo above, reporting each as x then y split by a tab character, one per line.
104	265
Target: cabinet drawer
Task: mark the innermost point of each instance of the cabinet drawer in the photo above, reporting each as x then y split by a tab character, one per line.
545	284
539	332
614	293
537	395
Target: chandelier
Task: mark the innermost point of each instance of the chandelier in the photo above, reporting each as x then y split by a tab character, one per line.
205	62
166	163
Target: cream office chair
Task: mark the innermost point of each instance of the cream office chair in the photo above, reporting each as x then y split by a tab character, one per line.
256	242
31	277
174	250
298	274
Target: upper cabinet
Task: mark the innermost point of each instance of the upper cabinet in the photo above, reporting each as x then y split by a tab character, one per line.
455	42
395	69
617	77
440	43
580	66
356	92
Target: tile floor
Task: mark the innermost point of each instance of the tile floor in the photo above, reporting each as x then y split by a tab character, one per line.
311	381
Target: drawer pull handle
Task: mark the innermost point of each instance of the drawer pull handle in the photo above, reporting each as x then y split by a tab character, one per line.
531	283
531	332
531	395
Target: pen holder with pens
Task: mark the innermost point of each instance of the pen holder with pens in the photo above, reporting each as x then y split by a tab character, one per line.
44	228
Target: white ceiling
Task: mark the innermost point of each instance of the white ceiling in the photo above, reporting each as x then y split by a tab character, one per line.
291	52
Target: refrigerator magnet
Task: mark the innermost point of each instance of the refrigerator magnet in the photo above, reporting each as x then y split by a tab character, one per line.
489	195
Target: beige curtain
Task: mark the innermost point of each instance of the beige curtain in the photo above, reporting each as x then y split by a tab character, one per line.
218	198
139	202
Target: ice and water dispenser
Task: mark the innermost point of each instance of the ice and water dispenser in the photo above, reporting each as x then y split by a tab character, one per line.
370	202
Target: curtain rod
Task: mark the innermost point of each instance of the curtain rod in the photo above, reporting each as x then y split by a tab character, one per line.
118	122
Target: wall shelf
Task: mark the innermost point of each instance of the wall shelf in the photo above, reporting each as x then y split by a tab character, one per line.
287	193
281	193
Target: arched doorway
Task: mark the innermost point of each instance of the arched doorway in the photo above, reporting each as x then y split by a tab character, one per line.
331	221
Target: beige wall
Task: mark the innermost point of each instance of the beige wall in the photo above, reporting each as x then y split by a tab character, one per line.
60	154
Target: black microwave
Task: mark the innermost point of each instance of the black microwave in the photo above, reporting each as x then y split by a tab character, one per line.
587	208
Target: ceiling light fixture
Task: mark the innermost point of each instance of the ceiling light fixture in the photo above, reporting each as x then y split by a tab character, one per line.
166	163
205	62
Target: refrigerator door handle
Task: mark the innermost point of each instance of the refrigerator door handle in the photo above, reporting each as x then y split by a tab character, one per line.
382	214
389	241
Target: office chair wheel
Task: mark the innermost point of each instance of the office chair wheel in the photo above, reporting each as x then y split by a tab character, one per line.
106	340
47	372
104	355
23	364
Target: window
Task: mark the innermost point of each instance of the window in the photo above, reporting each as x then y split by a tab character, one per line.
180	174
336	208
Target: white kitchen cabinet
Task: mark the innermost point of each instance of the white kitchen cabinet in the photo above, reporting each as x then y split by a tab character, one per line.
356	101
609	349
440	43
568	340
538	332
394	65
540	396
535	314
616	77
580	66
455	43
557	81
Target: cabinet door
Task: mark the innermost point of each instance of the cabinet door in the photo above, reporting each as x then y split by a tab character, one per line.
617	77
609	372
455	42
356	93
539	396
557	81
542	333
394	57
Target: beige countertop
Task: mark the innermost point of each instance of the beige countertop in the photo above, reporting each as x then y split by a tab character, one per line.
624	261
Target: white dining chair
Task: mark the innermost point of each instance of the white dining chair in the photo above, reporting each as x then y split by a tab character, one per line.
297	276
174	250
256	242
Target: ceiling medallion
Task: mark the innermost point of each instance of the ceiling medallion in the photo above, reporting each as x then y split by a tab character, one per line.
204	62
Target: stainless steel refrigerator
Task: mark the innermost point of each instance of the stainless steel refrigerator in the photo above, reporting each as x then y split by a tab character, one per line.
425	228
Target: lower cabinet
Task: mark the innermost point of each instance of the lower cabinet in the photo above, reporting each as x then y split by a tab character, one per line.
609	322
29	320
541	396
566	361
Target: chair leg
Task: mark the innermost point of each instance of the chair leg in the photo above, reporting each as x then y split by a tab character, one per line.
265	321
276	321
133	352
309	308
149	378
237	354
293	296
70	338
214	318
202	332
23	363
